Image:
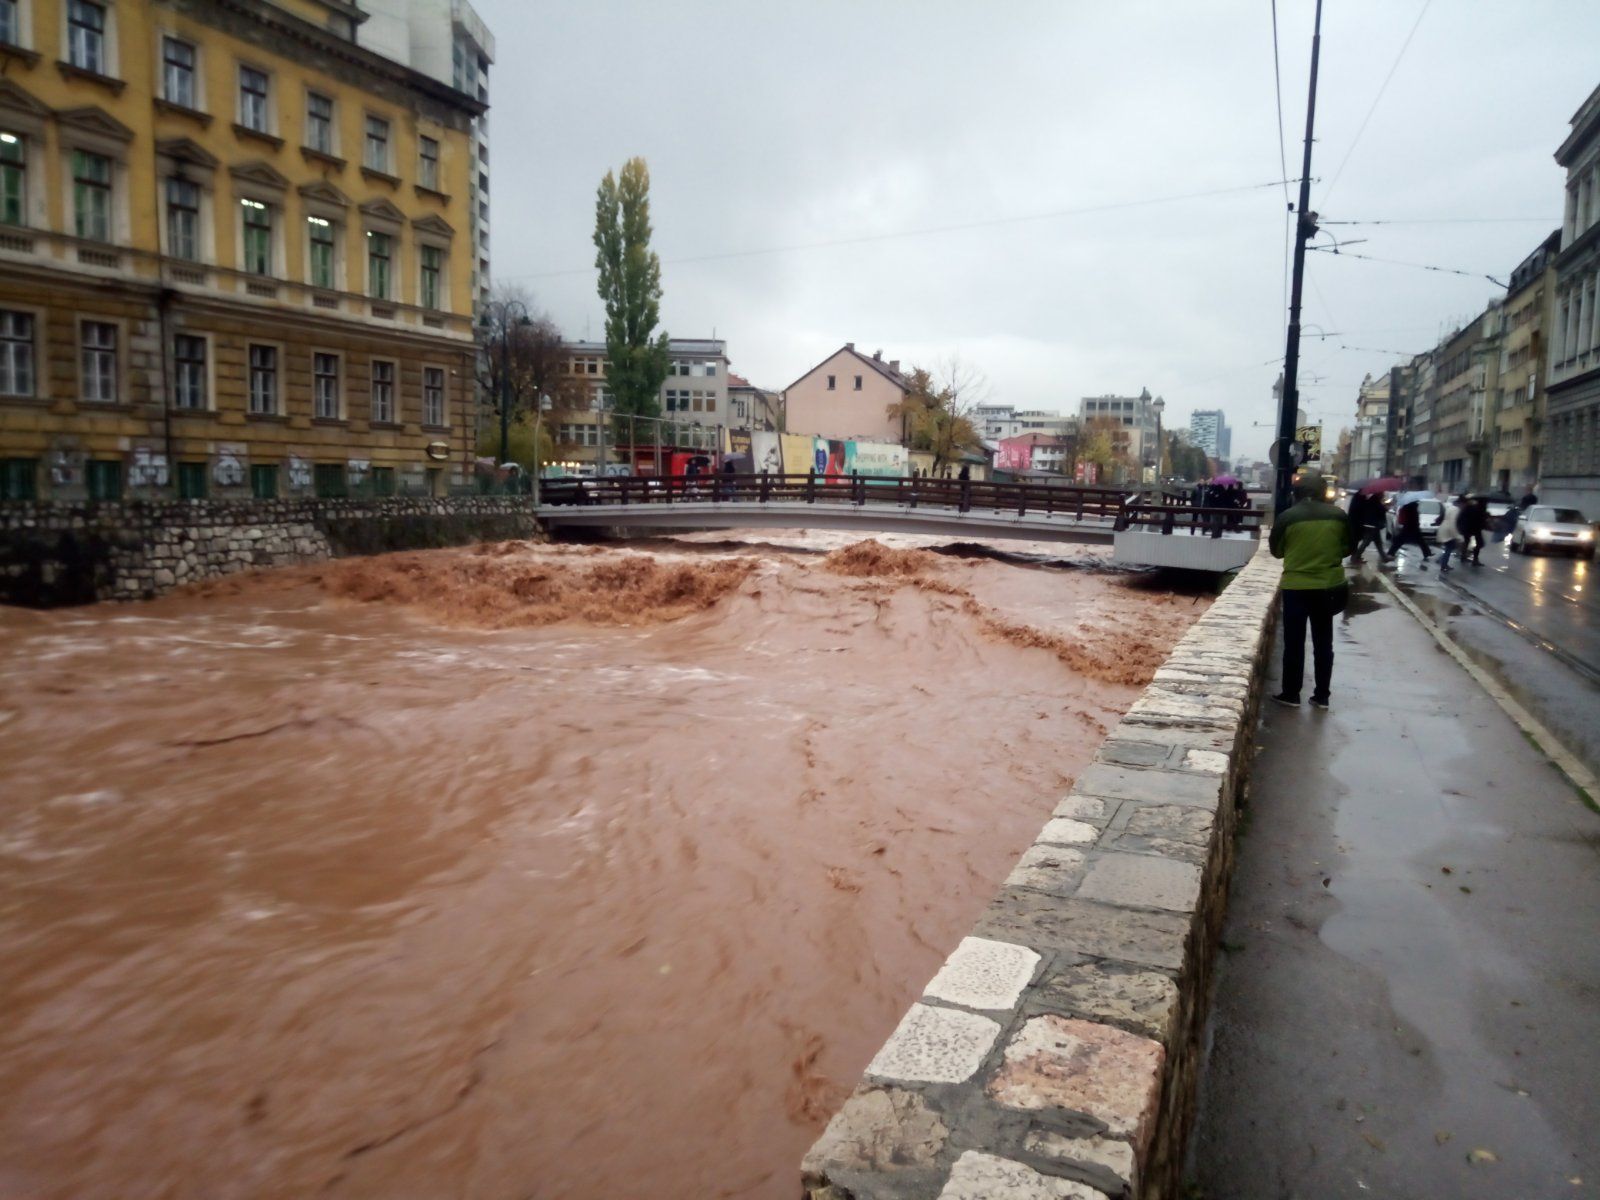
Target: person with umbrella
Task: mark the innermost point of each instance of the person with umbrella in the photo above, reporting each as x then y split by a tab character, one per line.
1367	516
1408	517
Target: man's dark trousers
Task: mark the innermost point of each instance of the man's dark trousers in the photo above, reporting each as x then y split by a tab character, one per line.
1317	608
1370	535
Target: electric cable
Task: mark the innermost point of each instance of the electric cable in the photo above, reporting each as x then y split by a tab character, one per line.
1375	100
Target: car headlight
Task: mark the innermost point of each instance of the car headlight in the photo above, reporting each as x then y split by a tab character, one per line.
1542	535
1586	535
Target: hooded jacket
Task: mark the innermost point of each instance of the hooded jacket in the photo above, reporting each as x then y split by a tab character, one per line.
1313	539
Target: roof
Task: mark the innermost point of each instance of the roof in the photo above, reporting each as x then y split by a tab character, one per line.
738	381
1037	439
676	345
877	364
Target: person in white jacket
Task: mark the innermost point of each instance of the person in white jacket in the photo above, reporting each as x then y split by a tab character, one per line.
1449	534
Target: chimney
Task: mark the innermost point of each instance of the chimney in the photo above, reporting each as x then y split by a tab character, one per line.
894	365
877	356
849	345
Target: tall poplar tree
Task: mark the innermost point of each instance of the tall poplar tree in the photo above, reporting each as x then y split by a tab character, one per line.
630	287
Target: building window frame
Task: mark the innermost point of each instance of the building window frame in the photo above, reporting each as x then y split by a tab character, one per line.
191	372
326	485
183	199
19	478
435	396
99	361
89	34
264	379
428	162
255	99
103	479
377	136
322	252
13	177
327	386
20	331
93	197
383	391
257	237
180	80
264	481
322	128
11	16
380	264
832	383
432	283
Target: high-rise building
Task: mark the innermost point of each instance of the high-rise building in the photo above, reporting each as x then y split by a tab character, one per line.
233	255
1208	429
445	40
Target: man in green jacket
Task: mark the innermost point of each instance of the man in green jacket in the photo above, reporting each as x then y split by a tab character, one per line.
1313	539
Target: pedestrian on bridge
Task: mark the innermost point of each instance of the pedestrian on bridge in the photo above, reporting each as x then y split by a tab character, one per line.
1313	539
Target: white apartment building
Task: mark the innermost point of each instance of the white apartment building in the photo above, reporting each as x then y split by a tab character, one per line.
447	40
1138	415
694	395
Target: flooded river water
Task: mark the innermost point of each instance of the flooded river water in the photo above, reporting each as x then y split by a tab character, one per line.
517	871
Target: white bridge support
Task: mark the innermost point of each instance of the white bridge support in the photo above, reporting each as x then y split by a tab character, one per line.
1134	547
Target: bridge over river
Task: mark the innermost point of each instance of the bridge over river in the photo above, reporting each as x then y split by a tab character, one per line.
1142	529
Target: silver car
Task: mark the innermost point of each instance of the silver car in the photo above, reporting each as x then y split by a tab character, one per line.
1545	527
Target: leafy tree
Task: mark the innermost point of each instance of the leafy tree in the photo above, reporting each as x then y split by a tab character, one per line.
935	414
525	451
1187	461
1103	442
630	287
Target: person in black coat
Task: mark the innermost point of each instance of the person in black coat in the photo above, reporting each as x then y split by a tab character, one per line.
1474	518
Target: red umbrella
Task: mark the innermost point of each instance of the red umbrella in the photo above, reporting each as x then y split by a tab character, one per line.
1384	483
1224	481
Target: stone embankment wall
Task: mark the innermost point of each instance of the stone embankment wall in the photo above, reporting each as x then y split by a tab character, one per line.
1055	1053
54	554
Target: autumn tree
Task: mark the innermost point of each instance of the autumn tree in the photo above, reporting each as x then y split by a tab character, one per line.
936	411
630	288
1103	443
523	358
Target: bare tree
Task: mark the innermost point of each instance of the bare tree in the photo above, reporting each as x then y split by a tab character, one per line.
936	414
523	356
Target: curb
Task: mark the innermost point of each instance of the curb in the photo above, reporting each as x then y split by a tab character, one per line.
1056	1051
1592	674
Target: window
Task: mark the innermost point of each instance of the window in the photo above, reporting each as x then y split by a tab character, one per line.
264	380
257	237
104	477
97	358
91	195
191	481
428	164
16	353
325	387
189	371
86	36
183	219
432	264
858	383
327	479
10	23
383	481
264	481
830	383
378	255
321	243
13	179
19	478
433	396
177	72
319	122
253	90
377	144
382	392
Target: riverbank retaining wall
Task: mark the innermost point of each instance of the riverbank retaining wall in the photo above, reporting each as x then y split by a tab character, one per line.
1055	1053
55	554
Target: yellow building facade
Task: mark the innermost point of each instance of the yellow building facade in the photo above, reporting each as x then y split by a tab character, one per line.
234	255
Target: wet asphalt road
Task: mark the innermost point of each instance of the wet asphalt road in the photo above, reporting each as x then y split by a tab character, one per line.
1407	1003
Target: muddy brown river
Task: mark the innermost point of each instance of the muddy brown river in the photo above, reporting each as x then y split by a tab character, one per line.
518	871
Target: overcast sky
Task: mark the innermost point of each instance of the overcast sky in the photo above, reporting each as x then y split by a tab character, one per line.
771	126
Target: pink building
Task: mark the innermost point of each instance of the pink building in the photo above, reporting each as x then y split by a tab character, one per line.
1034	452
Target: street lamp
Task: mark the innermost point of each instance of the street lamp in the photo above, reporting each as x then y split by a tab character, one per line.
487	325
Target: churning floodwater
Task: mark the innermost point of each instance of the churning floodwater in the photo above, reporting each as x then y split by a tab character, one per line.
515	871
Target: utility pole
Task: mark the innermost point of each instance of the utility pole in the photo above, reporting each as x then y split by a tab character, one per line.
1305	229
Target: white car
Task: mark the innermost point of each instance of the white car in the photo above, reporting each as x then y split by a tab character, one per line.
1545	527
1429	514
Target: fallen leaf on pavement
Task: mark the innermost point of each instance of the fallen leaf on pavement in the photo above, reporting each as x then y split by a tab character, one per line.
1442	1136
1481	1155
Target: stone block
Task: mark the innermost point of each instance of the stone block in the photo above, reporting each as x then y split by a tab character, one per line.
1149	786
877	1129
935	1045
978	1176
1212	762
1064	831
1110	1164
983	974
1055	869
1142	881
1132	998
1065	1065
1176	822
1125	752
1045	922
1093	809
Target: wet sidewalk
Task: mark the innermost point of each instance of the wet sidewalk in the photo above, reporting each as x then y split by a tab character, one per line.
1408	1000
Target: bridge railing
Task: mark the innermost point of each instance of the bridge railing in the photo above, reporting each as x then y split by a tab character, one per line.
1112	505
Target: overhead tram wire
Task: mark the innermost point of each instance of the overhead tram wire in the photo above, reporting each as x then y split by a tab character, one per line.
1283	157
1395	66
1395	262
1448	221
987	223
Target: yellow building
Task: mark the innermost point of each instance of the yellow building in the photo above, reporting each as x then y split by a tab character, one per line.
234	255
1524	363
